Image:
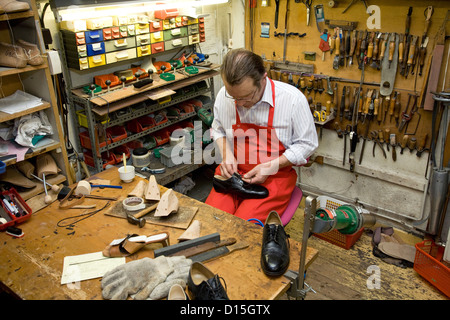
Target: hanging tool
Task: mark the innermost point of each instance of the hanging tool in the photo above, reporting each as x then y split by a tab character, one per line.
320	18
392	105
341	48
370	47
342	106
411	55
414	109
347	48
376	41
405	116
404	143
376	142
412	144
337	48
376	105
389	66
383	49
428	12
352	47
380	109
362	50
422	146
285	30
277	11
308	10
351	3
368	105
387	134
397	109
386	103
393	144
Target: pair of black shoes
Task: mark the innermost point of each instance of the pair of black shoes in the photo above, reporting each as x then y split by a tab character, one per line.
235	185
204	284
275	246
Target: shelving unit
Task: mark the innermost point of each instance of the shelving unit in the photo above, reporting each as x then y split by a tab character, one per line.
110	104
86	46
35	80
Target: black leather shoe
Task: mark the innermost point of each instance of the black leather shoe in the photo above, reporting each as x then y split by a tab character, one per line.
235	185
204	284
275	246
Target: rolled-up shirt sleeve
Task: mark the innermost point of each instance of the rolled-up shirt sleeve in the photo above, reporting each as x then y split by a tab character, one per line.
303	141
220	115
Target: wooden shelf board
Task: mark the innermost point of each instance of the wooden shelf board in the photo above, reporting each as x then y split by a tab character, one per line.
6	116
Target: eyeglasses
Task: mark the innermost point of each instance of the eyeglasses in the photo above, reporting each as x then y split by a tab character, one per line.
241	99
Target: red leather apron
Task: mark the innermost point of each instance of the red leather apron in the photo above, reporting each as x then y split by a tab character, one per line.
253	145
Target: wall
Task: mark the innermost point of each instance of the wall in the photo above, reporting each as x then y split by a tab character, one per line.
396	191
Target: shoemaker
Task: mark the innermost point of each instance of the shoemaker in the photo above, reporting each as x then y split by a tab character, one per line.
262	128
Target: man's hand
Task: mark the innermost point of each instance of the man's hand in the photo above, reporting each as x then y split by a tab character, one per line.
262	171
229	162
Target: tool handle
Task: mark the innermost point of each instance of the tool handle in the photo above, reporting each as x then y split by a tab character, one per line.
404	141
360	101
328	107
400	51
397	106
412	143
337	44
367	104
408	20
387	133
353	44
392	104
380	110
375	47
391	50
423	142
346	98
380	136
412	50
376	105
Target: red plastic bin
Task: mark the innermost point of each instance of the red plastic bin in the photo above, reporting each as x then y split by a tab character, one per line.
428	263
89	159
119	151
162	137
86	141
11	218
141	124
116	133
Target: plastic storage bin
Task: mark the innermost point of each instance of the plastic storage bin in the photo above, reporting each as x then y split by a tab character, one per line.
345	241
429	264
11	217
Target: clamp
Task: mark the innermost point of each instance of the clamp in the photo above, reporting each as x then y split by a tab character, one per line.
320	115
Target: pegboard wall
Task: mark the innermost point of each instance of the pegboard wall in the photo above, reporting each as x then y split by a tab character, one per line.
303	42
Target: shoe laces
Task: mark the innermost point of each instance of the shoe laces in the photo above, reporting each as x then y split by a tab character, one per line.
216	290
273	233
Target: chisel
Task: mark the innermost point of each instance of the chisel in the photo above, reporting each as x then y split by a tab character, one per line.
386	103
412	144
352	47
337	48
347	103
342	106
380	110
391	106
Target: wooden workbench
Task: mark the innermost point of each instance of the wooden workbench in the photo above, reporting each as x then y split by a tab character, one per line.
32	266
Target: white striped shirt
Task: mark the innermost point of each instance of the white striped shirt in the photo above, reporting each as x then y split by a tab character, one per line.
292	120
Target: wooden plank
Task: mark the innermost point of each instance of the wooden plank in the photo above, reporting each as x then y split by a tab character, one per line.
6	116
119	93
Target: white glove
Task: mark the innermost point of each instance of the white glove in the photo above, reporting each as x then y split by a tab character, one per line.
179	275
138	277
